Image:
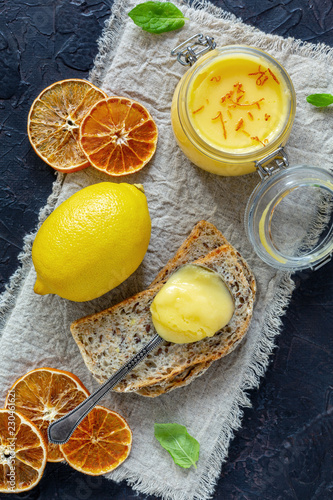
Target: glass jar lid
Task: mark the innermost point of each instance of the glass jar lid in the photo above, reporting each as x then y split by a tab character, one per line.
289	217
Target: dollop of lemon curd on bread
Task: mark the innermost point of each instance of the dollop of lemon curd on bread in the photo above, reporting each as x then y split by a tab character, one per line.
193	304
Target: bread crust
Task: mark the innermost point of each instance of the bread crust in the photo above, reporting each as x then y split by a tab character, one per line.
180	380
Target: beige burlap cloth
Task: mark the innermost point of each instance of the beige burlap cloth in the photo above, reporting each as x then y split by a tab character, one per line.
35	329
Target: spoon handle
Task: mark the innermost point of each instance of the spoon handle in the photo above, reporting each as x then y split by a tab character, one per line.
61	430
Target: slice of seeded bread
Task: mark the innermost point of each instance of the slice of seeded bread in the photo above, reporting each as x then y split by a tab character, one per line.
203	238
109	338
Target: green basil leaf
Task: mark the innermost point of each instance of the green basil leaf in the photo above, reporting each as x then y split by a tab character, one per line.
183	448
157	17
320	100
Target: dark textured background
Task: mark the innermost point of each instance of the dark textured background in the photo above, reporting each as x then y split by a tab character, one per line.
284	449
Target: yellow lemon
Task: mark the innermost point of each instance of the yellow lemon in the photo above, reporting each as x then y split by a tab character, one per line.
92	242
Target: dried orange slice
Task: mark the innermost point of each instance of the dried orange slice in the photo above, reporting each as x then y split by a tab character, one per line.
100	443
118	136
54	121
44	395
23	453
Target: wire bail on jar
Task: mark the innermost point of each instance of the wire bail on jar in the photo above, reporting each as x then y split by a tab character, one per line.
188	54
265	167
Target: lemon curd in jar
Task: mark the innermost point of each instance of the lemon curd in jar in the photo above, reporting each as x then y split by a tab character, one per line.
234	107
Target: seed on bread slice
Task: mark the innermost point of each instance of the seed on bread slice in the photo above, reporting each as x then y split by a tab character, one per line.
109	338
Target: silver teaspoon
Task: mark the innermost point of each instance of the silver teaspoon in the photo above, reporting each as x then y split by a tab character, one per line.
61	430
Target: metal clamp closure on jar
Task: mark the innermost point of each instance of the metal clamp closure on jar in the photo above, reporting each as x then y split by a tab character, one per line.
187	54
266	168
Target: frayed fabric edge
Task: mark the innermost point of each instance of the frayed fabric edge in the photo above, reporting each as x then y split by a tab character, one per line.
272	323
318	51
9	296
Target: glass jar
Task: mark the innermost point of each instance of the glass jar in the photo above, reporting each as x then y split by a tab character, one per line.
200	140
289	215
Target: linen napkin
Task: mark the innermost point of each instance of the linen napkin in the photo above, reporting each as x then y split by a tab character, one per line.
35	329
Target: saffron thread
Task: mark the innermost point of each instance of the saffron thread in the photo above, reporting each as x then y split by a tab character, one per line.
197	110
219	115
239	124
273	76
